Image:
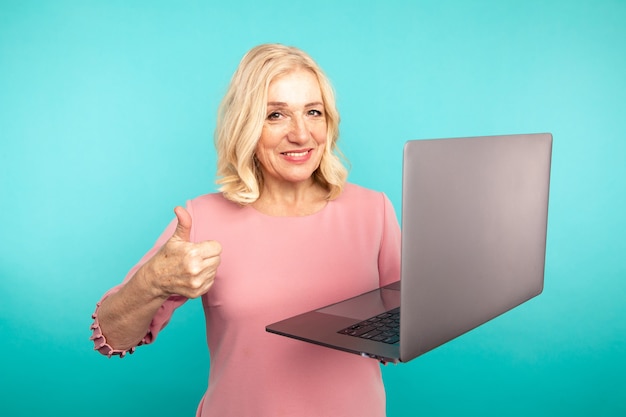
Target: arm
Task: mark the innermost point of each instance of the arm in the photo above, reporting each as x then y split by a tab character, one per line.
390	246
179	270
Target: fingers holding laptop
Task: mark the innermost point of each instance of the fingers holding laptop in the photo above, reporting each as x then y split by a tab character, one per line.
183	267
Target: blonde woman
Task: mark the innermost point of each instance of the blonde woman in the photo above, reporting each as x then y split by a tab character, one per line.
285	234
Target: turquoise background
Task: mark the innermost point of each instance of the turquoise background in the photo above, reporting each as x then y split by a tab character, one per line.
107	111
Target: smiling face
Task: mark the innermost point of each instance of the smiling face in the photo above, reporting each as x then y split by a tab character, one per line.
293	138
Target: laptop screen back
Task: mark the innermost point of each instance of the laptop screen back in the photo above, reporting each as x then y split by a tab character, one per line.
474	217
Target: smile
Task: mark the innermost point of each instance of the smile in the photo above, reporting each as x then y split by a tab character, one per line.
296	154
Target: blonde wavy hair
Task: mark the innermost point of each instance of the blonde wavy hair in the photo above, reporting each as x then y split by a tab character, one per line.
242	113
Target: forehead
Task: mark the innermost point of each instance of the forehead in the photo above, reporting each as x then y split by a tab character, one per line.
294	86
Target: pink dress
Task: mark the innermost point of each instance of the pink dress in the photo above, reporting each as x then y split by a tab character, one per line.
272	268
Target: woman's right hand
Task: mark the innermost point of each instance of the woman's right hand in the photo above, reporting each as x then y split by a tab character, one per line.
182	267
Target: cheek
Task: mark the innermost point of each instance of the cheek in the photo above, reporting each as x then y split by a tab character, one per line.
261	151
320	135
271	135
263	155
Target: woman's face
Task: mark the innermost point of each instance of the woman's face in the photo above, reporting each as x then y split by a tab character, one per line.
294	133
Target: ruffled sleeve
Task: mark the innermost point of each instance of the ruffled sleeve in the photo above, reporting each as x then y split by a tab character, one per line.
160	320
100	342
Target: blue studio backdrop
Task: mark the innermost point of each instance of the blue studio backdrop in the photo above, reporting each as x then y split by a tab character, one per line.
107	111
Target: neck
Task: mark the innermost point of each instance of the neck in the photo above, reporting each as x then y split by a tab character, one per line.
301	199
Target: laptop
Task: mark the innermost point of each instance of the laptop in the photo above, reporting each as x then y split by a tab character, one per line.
474	221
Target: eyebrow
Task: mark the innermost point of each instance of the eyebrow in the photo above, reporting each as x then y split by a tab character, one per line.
283	104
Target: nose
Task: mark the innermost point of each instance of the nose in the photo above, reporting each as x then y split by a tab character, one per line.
299	132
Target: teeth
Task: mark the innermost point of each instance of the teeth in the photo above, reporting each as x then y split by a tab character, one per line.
295	154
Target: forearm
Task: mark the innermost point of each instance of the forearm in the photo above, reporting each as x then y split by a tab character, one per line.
125	316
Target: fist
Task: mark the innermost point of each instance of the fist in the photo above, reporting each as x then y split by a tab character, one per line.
182	267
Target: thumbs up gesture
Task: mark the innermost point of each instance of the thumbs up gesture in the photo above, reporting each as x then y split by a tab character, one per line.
182	267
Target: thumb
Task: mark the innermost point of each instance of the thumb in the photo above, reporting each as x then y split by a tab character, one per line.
183	228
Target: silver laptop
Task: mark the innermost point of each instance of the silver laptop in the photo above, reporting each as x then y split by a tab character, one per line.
474	220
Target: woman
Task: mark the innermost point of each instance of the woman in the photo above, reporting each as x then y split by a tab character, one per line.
286	234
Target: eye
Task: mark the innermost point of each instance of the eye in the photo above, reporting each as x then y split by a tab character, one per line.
315	113
274	115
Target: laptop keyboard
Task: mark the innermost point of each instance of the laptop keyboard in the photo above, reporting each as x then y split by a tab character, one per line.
384	328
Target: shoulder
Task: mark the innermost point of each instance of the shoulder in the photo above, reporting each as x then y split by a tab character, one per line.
356	194
212	204
211	199
214	200
361	201
211	213
369	211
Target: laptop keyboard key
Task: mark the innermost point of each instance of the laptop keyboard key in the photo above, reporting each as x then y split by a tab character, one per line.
384	328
